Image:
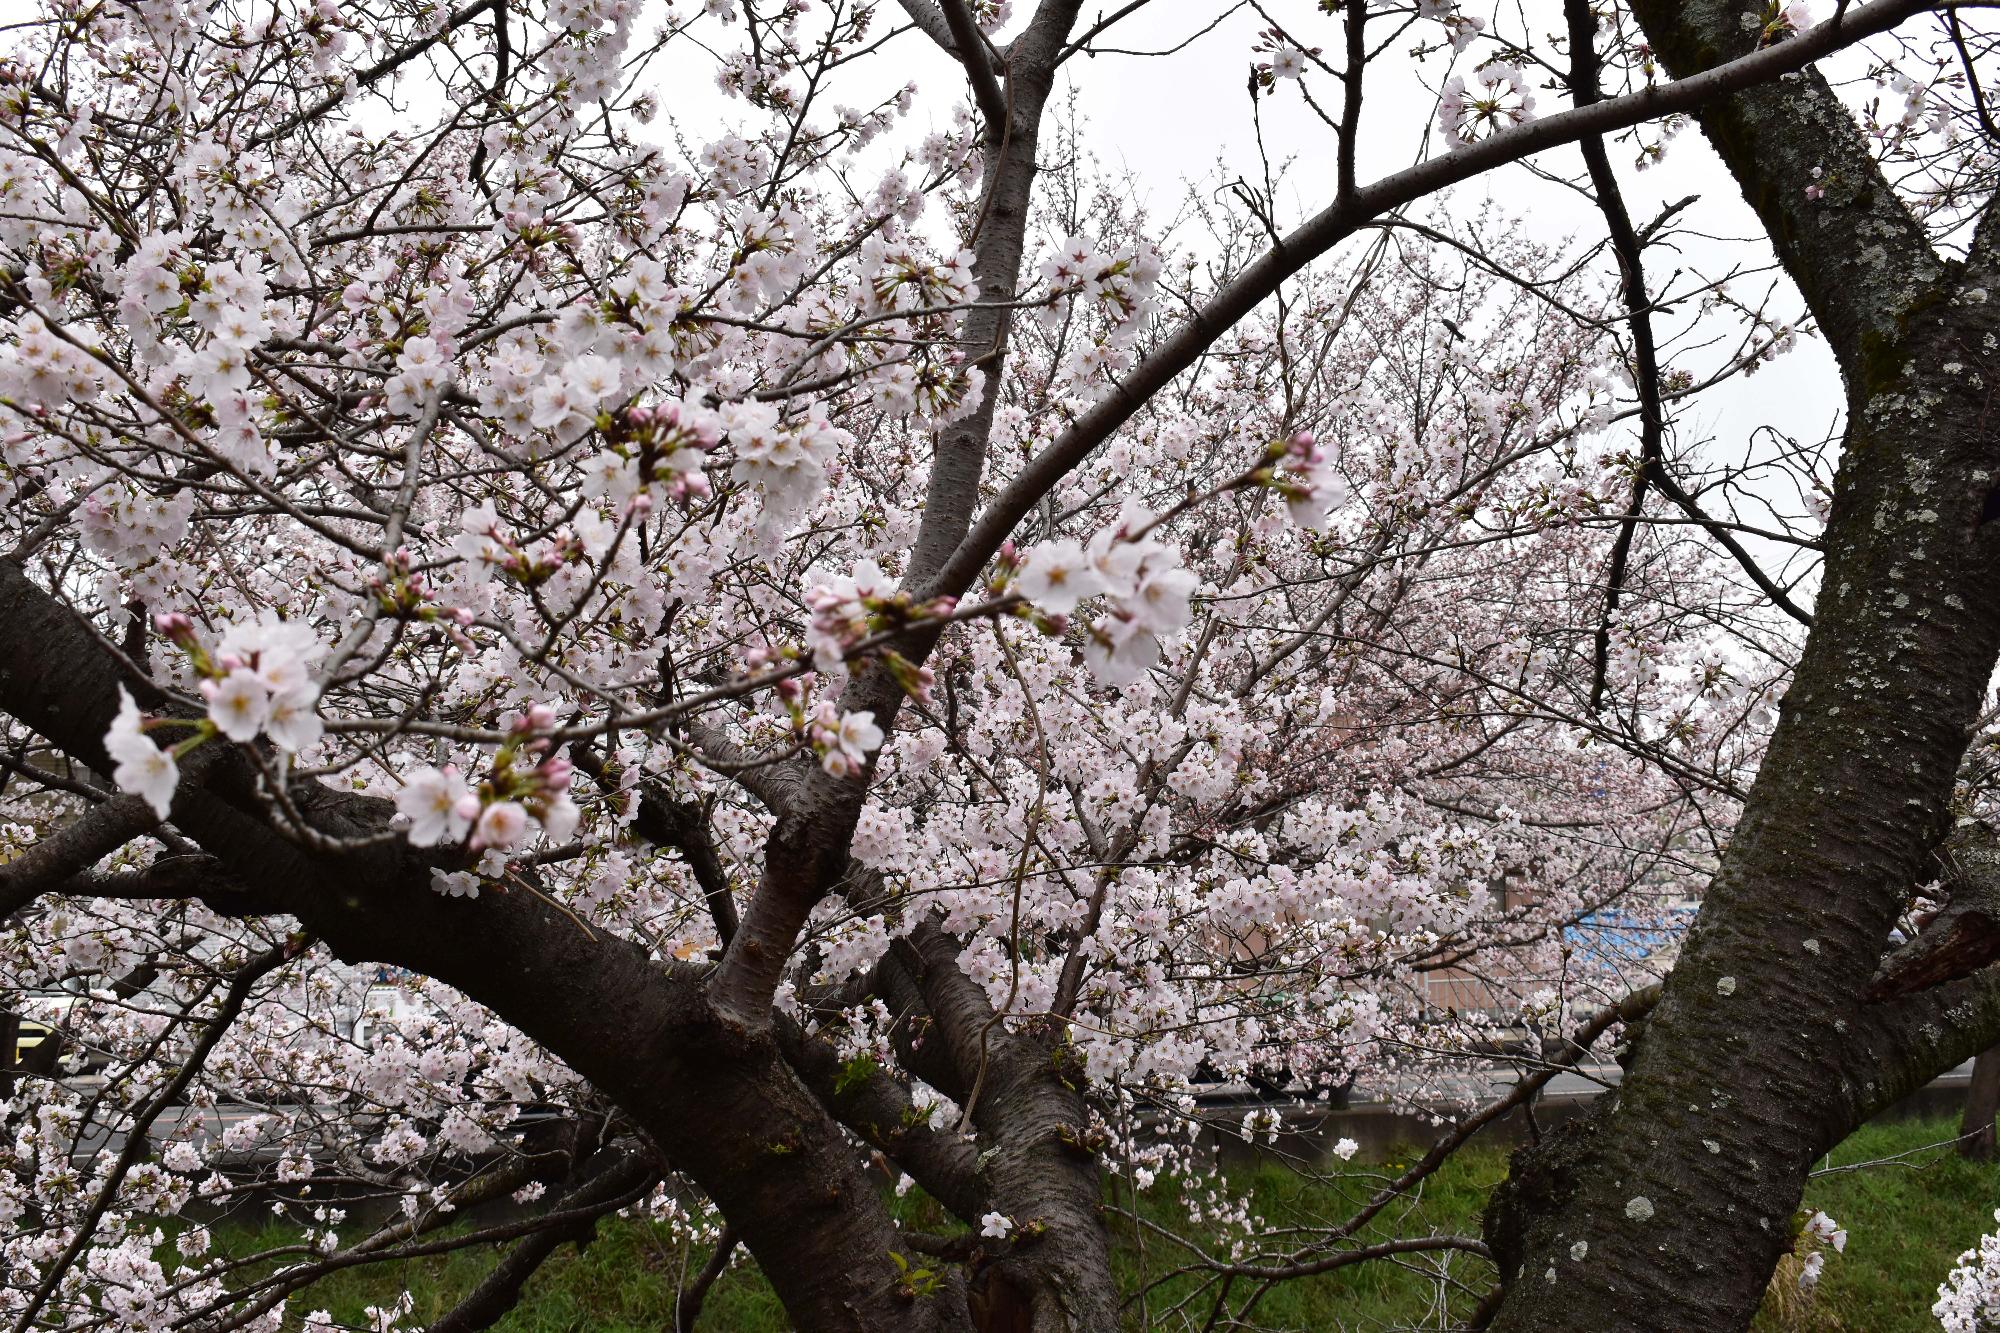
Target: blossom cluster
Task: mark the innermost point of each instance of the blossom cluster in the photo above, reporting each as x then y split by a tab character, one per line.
526	779
258	681
1969	1297
1145	588
1496	98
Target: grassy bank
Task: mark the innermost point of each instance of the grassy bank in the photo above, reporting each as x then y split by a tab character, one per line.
1909	1214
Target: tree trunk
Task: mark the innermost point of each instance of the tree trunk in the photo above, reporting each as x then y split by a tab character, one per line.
1055	1275
1681	1200
1982	1104
1671	1206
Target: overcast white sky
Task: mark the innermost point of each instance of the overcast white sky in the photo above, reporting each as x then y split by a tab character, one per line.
1172	117
1183	119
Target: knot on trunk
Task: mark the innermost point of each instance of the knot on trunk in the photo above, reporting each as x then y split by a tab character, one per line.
1542	1178
1962	936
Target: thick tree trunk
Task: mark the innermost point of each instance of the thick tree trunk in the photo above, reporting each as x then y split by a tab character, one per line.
1982	1105
1670	1207
1055	1275
1681	1200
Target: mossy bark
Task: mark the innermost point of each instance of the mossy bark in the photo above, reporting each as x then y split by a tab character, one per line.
1671	1210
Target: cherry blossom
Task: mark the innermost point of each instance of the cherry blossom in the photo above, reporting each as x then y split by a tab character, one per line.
143	768
831	562
431	798
1056	575
1496	98
1969	1297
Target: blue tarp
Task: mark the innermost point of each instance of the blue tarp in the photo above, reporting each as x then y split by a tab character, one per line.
1618	936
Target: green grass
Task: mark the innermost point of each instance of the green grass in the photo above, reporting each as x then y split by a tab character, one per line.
1908	1219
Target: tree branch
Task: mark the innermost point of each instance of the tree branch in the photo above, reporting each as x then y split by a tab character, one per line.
878	1109
681	826
687	1308
606	1184
1961	937
1181	349
1585	67
969	45
74	846
1855	251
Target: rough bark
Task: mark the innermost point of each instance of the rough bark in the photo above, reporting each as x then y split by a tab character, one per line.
1963	935
1027	1103
1671	1208
1694	1171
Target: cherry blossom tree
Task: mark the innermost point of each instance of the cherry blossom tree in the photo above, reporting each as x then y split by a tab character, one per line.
575	647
